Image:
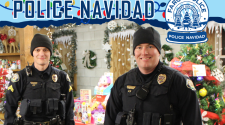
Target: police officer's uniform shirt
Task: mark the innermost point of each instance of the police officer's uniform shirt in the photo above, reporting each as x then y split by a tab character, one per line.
182	97
17	87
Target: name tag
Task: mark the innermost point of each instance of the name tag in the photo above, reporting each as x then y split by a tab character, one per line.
131	87
33	83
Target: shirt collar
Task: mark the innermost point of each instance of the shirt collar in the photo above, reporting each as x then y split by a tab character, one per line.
46	71
147	77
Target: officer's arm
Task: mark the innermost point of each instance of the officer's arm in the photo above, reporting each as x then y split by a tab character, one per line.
188	101
69	100
13	95
114	104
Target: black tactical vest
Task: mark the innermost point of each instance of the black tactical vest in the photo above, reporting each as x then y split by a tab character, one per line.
157	100
42	96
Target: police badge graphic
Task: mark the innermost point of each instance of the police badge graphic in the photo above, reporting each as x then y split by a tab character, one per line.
186	19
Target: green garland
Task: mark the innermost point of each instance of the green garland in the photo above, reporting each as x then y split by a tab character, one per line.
73	68
169	56
92	61
117	29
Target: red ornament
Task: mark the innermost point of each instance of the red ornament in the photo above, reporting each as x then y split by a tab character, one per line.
52	42
143	18
104	13
12	13
78	13
57	66
163	14
42	13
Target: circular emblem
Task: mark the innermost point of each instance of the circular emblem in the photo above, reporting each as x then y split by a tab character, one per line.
161	78
187	15
15	78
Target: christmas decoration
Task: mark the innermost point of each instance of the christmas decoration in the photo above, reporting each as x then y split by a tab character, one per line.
107	47
1	47
12	32
78	13
218	75
112	25
163	14
168	54
7	4
89	59
208	89
199	57
72	33
195	51
203	92
73	2
5	76
117	29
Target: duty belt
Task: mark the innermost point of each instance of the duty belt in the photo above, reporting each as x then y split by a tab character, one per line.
52	122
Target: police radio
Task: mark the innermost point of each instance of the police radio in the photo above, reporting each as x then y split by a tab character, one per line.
142	93
28	70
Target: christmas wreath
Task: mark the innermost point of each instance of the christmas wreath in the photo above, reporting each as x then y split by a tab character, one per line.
89	59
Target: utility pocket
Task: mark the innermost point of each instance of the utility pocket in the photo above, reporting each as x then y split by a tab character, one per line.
158	90
35	106
147	116
24	107
121	118
156	119
52	106
33	90
53	90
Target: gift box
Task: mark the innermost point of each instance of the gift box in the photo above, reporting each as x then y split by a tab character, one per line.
100	98
78	109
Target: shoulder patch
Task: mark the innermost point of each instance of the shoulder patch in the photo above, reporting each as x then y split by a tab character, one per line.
68	78
190	84
15	78
161	78
11	88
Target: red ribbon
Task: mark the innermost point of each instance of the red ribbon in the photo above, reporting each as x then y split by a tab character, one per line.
3	37
11	40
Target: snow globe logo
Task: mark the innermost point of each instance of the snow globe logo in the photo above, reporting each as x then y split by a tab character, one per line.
187	19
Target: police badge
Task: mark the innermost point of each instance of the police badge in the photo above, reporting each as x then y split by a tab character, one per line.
161	78
54	77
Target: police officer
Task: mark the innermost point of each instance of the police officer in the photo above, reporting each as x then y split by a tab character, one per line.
152	94
44	91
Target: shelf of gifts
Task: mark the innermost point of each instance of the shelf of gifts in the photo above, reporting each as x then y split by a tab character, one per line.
9	54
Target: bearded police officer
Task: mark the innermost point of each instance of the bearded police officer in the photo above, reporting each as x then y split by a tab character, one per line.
152	94
44	91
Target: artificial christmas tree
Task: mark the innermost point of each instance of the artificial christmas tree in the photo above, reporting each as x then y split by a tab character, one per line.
55	59
208	87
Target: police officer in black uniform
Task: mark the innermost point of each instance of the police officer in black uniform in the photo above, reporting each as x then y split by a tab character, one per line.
44	91
152	94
